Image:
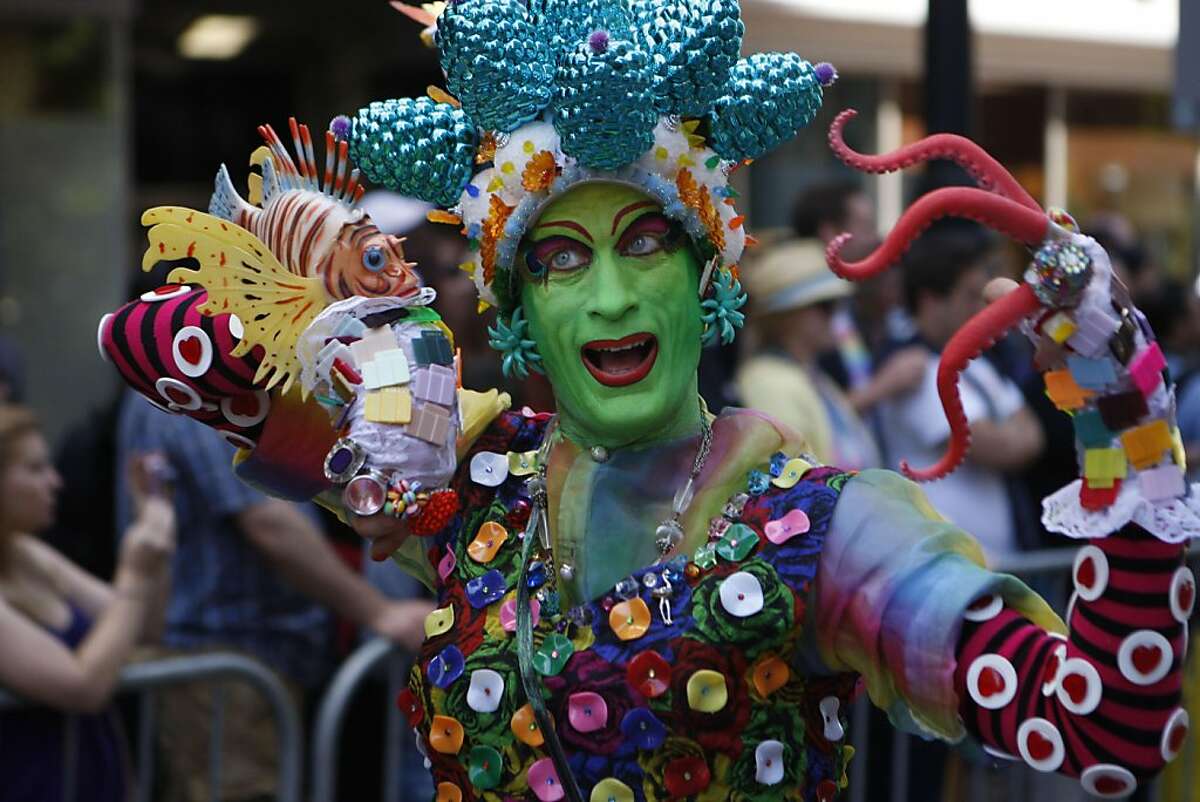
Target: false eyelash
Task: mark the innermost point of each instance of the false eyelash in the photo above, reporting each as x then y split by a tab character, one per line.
537	269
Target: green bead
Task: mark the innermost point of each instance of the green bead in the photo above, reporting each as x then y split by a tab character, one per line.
553	655
484	767
737	543
705	556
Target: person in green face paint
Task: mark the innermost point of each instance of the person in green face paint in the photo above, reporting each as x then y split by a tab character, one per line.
609	285
638	600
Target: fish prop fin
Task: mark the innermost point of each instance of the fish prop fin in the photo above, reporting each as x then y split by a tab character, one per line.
426	15
183	219
242	278
226	203
256	189
338	180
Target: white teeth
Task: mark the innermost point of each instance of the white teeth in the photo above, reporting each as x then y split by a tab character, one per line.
618	348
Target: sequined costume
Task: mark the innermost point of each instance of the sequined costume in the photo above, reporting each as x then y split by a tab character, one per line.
699	678
611	624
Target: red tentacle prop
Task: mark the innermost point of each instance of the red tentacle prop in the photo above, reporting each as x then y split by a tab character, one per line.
996	212
990	174
971	340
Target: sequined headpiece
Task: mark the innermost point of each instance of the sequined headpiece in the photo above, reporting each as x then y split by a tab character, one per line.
546	94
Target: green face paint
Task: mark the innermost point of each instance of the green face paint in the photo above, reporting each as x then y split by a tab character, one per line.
609	286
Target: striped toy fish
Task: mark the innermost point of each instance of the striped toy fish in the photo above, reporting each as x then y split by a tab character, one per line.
311	223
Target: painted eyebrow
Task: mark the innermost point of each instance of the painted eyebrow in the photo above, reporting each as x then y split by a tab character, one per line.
571	224
633	207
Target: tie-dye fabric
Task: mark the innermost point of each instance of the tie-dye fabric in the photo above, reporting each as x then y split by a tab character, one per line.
722	674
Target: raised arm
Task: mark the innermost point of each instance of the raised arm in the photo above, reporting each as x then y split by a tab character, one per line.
38	666
961	650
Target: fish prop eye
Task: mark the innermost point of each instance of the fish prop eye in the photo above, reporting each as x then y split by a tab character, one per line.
373	259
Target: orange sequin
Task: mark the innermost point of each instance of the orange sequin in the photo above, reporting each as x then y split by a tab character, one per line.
440	95
525	727
448	792
446	735
493	230
447	218
769	675
540	172
487	543
630	619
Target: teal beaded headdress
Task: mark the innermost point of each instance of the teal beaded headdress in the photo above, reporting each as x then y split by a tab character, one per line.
544	94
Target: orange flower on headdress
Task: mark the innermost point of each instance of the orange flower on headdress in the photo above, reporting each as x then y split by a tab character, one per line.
696	197
540	172
712	222
493	230
689	190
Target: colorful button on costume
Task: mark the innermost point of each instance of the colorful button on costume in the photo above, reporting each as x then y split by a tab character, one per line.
644	708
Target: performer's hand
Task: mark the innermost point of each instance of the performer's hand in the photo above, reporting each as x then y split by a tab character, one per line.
385	533
403	622
997	288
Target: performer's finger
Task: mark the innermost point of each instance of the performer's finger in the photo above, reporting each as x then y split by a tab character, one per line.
997	288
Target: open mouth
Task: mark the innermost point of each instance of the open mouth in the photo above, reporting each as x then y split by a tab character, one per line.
617	363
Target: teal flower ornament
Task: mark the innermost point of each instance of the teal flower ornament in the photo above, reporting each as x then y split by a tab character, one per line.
512	341
721	316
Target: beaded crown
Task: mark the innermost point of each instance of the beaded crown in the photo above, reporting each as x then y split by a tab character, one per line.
546	94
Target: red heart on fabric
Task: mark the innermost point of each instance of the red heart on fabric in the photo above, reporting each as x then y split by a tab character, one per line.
826	791
1146	658
1175	739
1076	687
191	349
991	682
1187	591
1039	746
178	396
1052	666
1110	785
1086	575
245	405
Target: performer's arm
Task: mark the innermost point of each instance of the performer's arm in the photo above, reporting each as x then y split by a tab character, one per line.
1101	703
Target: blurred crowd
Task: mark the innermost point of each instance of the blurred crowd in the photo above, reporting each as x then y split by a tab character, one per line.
853	367
136	542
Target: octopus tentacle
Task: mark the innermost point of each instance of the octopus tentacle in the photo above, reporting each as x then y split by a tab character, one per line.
989	173
994	211
969	342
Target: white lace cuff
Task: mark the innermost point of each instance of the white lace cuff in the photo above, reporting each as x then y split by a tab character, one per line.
1172	521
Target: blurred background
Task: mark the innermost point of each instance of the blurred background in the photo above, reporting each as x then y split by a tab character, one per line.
108	107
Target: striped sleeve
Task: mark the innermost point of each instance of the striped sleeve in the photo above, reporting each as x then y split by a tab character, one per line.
1101	703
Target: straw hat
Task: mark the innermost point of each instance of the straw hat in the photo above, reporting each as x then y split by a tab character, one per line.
792	275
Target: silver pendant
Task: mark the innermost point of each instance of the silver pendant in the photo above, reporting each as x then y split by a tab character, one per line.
667	536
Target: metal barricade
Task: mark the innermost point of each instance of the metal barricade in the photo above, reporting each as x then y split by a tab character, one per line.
145	679
369	658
